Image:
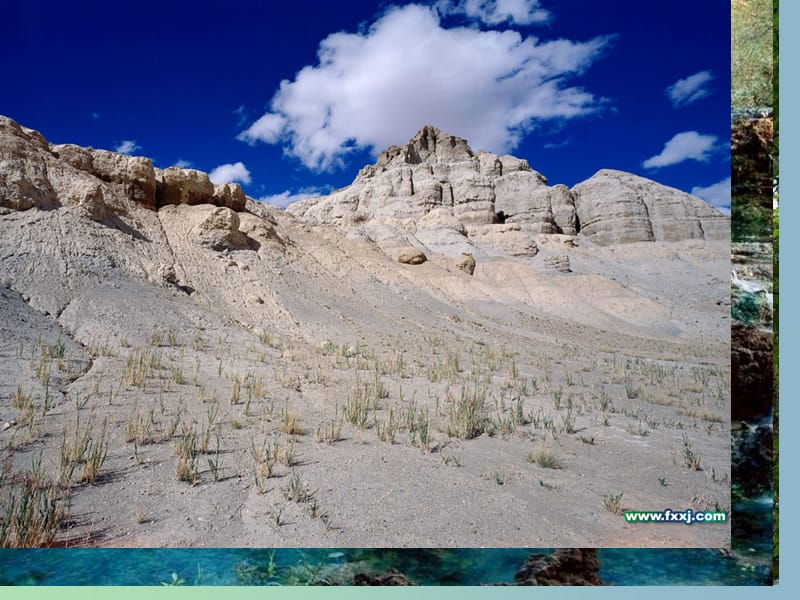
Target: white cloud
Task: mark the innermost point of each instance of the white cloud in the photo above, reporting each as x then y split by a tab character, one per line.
494	12
228	173
717	195
688	145
184	164
127	147
267	129
690	89
378	87
286	198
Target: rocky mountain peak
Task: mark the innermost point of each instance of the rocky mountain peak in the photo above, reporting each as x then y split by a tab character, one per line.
430	145
435	194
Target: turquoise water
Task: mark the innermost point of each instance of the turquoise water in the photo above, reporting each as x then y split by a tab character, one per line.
748	565
460	567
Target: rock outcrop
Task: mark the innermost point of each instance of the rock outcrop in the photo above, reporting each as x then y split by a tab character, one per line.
558	262
616	207
751	370
34	173
220	230
436	193
752	150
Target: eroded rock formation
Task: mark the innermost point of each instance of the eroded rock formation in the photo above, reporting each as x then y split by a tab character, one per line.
34	173
436	193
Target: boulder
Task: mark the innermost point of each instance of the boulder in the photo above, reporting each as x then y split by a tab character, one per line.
411	256
184	186
220	230
135	175
229	195
466	262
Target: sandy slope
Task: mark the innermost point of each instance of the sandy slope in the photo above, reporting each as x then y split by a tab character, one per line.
309	320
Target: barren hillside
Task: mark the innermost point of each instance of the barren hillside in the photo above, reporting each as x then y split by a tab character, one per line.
449	352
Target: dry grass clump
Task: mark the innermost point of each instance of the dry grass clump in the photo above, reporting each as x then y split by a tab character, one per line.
545	459
33	507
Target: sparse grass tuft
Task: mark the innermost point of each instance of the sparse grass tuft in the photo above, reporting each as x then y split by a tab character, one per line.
33	508
329	431
545	459
613	503
187	452
691	460
467	415
290	422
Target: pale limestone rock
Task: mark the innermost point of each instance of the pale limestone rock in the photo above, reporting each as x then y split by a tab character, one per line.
508	239
23	169
618	207
522	198
135	175
446	242
441	218
184	186
473	200
77	156
562	203
220	230
490	164
466	262
260	228
90	200
411	256
229	195
558	263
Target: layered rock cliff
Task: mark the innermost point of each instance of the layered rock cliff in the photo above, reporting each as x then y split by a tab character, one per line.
436	193
34	173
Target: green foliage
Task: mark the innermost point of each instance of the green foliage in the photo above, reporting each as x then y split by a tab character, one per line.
751	53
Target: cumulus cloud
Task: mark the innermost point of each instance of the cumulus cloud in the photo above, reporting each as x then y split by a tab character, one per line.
690	89
184	164
228	173
494	12
378	87
717	195
688	145
127	147
286	198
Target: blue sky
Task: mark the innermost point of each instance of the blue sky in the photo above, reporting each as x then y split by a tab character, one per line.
293	98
